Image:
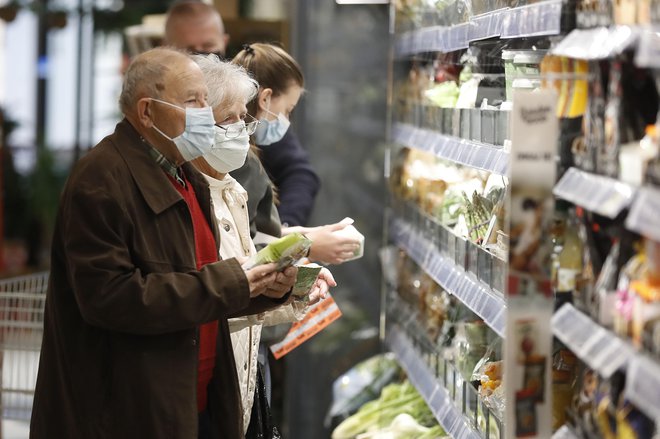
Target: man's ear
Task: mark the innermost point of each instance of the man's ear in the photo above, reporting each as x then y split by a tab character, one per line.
265	95
144	115
225	38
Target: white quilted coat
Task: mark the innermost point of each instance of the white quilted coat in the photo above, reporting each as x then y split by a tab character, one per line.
230	207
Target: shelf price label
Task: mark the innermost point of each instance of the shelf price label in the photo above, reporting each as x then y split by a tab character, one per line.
642	386
644	216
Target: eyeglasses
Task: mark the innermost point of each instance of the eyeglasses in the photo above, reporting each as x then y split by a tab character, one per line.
234	130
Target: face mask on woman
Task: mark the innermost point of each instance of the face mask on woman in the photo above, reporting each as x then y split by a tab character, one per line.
271	131
197	137
229	151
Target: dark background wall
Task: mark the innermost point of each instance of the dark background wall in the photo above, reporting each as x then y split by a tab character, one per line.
341	120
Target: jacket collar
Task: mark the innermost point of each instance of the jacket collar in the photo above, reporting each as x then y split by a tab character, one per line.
152	182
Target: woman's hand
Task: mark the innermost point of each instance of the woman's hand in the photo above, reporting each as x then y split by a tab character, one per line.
323	283
330	248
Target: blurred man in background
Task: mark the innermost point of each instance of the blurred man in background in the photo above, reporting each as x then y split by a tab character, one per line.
197	27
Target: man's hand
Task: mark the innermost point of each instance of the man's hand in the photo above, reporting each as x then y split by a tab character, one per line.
282	283
264	280
323	283
330	248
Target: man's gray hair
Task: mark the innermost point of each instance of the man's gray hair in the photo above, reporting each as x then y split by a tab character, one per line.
227	82
145	76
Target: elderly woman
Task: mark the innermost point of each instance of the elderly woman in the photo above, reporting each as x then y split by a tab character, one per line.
230	89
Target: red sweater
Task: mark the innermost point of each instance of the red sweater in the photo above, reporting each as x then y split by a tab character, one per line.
205	253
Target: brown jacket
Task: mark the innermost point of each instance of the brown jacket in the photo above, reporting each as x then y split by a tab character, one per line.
119	354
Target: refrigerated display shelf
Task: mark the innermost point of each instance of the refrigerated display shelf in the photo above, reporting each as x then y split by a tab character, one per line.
480	298
436	396
603	195
476	155
538	19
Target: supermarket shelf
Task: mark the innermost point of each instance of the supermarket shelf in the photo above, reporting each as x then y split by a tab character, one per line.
597	43
465	152
608	42
605	352
538	19
603	195
601	349
644	216
481	299
435	395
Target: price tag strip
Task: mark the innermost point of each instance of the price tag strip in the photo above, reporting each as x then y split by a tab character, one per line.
470	153
642	386
644	216
318	317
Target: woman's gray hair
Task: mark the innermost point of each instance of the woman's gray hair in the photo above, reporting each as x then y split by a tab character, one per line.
227	83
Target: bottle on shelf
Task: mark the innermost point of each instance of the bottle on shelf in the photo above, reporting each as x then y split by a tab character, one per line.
569	263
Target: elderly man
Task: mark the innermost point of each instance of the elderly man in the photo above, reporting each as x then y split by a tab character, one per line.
195	26
136	342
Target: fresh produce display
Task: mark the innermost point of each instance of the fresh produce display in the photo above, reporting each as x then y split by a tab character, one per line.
361	384
399	413
464	199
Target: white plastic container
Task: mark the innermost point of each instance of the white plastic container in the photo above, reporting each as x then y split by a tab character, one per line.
351	232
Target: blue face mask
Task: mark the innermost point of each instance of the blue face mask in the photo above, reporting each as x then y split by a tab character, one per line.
271	131
198	136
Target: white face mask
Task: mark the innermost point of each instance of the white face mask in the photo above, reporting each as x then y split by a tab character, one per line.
197	137
271	131
228	154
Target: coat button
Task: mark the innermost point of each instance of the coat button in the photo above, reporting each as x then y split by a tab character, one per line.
194	342
242	206
227	227
245	366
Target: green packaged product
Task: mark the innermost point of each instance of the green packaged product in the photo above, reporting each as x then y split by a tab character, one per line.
307	275
285	251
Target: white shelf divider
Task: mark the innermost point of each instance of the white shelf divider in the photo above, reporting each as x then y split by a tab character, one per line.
602	350
476	155
644	216
435	395
481	299
603	195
